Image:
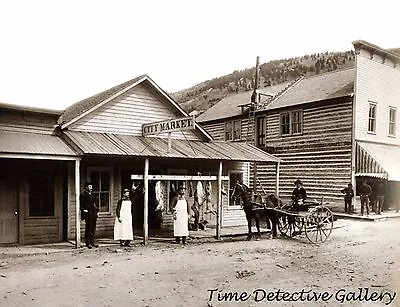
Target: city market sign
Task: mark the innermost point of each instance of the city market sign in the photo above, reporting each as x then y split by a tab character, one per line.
179	124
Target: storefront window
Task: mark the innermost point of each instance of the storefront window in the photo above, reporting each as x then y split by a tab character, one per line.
101	181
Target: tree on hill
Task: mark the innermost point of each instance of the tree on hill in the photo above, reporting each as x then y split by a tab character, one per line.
202	96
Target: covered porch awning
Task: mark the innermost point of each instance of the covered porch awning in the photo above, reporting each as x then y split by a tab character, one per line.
122	145
130	145
27	145
378	160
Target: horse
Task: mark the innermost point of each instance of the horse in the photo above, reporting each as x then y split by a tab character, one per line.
257	211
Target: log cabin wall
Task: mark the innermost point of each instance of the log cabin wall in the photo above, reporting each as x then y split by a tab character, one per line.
320	156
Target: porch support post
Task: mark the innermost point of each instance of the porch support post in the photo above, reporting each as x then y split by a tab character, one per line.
255	176
77	206
219	202
146	202
277	179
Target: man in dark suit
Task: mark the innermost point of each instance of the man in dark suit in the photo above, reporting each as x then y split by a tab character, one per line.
89	212
299	195
365	194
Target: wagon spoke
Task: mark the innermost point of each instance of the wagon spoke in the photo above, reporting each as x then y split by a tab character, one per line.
319	224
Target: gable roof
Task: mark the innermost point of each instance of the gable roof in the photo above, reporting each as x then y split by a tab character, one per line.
230	105
81	108
339	83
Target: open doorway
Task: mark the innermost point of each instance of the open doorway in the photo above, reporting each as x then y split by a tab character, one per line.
154	218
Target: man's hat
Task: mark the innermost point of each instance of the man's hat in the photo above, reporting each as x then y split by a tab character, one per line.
126	190
298	182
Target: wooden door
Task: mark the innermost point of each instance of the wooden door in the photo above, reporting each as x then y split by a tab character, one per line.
8	211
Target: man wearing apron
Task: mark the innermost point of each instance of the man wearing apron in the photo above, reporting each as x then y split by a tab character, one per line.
180	208
123	230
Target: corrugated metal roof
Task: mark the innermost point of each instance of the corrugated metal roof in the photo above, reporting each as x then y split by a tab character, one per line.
230	105
317	88
33	143
129	145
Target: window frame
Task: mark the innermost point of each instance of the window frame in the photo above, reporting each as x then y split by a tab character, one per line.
291	123
298	123
372	120
392	122
233	130
111	186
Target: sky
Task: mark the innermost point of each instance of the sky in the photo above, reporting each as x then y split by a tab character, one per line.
55	53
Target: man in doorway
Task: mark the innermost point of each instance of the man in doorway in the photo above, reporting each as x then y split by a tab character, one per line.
89	212
365	193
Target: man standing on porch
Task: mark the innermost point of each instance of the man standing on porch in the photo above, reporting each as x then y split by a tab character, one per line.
365	193
180	209
89	212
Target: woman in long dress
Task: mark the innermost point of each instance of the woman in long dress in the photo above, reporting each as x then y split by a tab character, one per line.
123	230
180	210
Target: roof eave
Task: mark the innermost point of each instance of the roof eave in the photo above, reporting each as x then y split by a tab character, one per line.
361	44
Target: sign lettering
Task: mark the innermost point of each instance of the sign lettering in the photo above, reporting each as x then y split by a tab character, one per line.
179	124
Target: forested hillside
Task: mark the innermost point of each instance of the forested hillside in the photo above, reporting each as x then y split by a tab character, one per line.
202	96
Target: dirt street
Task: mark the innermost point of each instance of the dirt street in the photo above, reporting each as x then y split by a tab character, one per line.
358	265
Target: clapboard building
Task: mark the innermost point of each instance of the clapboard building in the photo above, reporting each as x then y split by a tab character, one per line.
47	156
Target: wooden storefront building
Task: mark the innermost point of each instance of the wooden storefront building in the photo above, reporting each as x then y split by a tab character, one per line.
48	156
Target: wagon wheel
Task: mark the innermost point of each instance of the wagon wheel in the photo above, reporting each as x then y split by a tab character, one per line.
319	224
290	225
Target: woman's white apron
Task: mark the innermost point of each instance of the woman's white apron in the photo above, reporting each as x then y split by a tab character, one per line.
182	218
123	230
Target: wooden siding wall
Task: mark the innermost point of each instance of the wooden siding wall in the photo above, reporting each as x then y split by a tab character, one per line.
320	157
105	221
18	120
377	82
127	113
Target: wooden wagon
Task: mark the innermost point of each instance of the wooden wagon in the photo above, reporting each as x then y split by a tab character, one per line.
313	219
